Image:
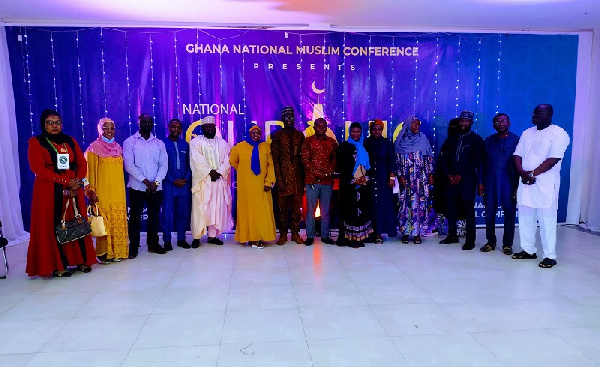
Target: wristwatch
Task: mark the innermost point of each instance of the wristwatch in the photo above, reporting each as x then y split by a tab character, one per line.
157	183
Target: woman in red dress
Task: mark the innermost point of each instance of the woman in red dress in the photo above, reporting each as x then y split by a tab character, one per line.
54	184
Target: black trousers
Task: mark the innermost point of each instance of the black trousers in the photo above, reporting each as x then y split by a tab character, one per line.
137	200
510	213
454	204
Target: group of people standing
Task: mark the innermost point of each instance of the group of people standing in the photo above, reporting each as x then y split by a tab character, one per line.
192	184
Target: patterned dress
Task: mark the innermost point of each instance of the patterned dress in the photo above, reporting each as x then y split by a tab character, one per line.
355	200
415	203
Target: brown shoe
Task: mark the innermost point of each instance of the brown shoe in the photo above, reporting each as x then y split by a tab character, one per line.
296	238
282	239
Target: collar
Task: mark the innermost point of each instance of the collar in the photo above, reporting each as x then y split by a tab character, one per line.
139	136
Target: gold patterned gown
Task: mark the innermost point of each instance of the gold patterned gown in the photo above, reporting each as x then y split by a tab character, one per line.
107	180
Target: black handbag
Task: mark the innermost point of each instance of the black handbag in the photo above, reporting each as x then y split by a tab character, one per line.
67	231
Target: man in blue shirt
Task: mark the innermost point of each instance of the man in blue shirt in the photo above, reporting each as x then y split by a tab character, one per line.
176	187
145	160
500	182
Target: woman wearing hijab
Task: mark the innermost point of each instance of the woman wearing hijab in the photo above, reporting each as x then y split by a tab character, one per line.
107	189
355	195
382	177
251	158
59	167
414	158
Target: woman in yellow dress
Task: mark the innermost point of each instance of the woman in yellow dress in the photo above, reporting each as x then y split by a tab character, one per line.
253	162
107	188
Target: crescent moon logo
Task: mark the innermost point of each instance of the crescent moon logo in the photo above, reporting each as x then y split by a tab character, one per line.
314	88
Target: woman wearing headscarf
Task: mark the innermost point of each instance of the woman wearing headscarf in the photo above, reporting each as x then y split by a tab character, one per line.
414	158
251	158
355	195
59	167
382	177
107	189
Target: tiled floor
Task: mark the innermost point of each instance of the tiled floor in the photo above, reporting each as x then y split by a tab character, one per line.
383	305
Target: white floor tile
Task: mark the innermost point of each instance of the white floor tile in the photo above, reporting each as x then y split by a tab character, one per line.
444	350
190	356
375	352
288	353
340	322
80	358
28	336
88	334
180	330
532	348
416	319
250	326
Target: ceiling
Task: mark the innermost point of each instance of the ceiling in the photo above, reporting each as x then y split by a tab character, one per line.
516	15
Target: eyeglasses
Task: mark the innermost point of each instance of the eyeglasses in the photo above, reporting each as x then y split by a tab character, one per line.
108	128
50	122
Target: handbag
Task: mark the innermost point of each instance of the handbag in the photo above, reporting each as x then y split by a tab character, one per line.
67	231
96	221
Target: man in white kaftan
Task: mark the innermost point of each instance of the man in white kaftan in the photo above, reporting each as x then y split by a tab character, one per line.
538	161
211	191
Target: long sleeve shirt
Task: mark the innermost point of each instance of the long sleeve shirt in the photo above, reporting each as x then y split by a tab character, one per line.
179	163
144	159
319	159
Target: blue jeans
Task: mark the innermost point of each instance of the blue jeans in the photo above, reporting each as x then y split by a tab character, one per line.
322	194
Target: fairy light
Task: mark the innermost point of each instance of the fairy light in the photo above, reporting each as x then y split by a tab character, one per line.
128	86
301	70
177	92
437	63
198	59
152	78
392	94
28	73
415	83
369	82
103	72
244	89
457	75
499	65
53	71
325	78
478	81
80	88
344	91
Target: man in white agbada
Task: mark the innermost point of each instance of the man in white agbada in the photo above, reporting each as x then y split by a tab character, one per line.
538	159
211	191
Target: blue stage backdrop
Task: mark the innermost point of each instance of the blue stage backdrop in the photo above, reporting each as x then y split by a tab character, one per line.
246	76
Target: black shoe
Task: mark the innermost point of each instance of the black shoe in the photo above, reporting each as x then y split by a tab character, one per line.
133	252
214	241
468	246
328	240
195	243
309	241
183	244
168	246
156	249
341	242
448	240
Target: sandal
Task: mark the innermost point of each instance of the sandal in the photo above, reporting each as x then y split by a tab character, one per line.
507	250
379	241
547	263
417	240
61	274
487	247
405	239
523	255
84	268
